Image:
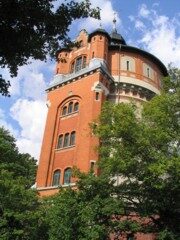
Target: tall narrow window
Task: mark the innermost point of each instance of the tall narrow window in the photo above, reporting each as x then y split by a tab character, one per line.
66	140
60	141
70	107
93	55
92	167
148	72
76	107
64	111
67	176
56	178
78	64
97	95
127	65
72	138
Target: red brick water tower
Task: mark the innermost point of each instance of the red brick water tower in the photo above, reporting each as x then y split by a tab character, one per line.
103	67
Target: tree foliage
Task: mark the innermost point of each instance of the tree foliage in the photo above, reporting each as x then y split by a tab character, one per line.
144	152
19	206
33	29
89	213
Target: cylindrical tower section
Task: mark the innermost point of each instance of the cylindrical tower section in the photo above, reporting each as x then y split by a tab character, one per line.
137	74
99	41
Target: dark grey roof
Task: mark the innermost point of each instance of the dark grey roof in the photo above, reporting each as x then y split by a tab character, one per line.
98	31
116	38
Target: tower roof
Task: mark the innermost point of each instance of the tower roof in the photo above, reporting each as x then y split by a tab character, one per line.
98	31
116	38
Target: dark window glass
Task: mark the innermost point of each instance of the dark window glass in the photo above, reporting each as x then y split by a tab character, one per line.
66	140
67	176
72	138
56	178
64	111
76	107
60	141
70	107
127	65
92	166
148	72
97	95
130	237
78	64
93	55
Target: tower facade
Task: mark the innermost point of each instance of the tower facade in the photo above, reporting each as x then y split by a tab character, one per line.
102	68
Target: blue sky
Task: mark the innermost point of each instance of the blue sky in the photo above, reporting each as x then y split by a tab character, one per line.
151	25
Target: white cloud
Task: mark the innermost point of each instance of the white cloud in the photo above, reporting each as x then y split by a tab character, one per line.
107	15
163	42
31	117
139	25
28	109
159	34
31	80
143	11
34	86
4	123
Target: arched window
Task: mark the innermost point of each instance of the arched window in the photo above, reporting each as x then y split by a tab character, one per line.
67	176
56	178
92	166
78	64
128	63
60	141
148	71
97	95
66	140
64	111
70	107
76	107
72	138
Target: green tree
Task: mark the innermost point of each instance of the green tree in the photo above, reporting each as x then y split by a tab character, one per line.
89	213
144	152
33	29
20	216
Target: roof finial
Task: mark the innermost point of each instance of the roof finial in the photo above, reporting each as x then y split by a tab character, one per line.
114	23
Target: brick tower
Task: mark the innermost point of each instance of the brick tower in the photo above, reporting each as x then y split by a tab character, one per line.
103	67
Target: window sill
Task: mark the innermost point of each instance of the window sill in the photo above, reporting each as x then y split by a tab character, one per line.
64	148
69	114
56	187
